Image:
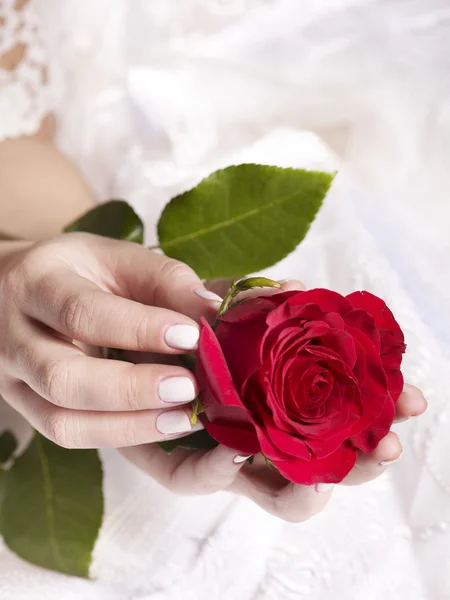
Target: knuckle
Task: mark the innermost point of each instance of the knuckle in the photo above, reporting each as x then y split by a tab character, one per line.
53	381
131	391
171	267
218	477
171	270
129	434
39	260
54	427
76	314
144	334
288	507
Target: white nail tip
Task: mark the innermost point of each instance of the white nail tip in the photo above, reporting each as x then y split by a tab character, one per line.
240	459
324	487
177	389
174	421
207	295
182	337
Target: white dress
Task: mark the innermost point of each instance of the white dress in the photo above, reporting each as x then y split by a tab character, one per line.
152	95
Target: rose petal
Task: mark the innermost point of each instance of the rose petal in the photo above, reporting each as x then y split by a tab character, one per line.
362	320
275	443
240	343
241	440
331	469
334	320
217	391
326	300
384	319
249	309
368	439
372	380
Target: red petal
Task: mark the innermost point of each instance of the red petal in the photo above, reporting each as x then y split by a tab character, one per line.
368	439
249	309
275	443
365	322
372	380
331	469
217	391
240	343
392	338
326	300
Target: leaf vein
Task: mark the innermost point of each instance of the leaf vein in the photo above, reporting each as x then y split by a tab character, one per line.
49	497
228	222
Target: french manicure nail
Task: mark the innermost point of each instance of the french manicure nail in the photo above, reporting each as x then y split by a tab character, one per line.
386	463
240	459
173	421
182	337
321	488
207	295
177	389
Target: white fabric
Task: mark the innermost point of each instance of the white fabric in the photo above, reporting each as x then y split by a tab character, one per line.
28	92
157	94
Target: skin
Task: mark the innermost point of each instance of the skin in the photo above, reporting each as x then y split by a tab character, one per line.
64	297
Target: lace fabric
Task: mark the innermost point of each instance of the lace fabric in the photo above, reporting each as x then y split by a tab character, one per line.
26	92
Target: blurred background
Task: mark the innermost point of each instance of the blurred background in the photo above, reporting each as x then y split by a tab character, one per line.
159	93
149	96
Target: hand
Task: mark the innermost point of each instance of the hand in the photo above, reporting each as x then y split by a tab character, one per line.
84	289
199	472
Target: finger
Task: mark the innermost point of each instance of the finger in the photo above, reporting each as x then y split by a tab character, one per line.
80	310
91	429
289	285
62	374
370	466
187	472
154	279
294	503
410	404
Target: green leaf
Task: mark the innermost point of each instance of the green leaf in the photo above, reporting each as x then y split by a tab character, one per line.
242	219
188	361
200	440
114	219
53	506
8	445
2	487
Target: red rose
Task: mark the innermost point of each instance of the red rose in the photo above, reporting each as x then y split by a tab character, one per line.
306	378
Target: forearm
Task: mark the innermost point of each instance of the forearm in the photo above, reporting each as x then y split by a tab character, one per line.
40	189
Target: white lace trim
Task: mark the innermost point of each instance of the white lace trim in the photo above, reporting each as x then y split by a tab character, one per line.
26	92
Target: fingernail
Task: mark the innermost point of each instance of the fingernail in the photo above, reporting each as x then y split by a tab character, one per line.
321	488
240	459
207	295
177	389
386	463
182	337
283	280
173	421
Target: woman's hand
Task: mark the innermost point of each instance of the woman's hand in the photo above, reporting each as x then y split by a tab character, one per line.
199	472
84	289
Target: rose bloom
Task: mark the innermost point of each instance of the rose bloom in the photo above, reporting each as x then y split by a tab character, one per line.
307	378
